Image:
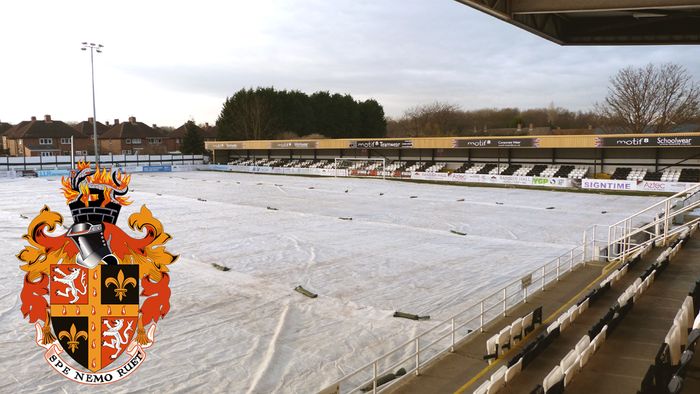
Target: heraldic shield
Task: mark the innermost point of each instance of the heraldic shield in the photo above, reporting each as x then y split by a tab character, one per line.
98	290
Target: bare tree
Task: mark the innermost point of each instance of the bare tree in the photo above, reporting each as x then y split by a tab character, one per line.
650	97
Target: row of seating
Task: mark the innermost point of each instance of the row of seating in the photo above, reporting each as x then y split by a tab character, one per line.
543	170
675	353
505	339
511	334
570	365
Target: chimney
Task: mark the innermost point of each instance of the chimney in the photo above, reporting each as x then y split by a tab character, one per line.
107	123
116	122
155	126
206	124
47	118
132	119
91	119
33	118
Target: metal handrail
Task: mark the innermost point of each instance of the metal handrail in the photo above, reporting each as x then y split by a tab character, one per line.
508	296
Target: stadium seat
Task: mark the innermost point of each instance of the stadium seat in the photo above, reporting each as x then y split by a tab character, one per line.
527	323
600	338
673	341
572	371
514	370
583	306
553	326
492	348
516	331
504	340
573	313
570	359
586	354
688	304
696	323
564	321
498	380
483	389
583	344
554	377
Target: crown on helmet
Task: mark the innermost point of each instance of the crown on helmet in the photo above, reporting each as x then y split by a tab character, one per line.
95	195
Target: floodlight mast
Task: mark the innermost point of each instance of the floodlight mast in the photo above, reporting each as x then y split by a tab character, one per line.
93	48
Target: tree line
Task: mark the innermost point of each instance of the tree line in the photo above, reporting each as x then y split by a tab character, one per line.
653	98
267	113
445	119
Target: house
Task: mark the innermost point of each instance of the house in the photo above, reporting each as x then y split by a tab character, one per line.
132	137
174	140
86	127
3	128
44	138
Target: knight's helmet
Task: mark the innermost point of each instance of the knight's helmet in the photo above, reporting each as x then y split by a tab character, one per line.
94	197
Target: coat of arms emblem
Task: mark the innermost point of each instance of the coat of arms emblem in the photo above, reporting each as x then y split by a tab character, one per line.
98	291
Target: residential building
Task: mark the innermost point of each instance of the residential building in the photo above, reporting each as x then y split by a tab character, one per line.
132	137
45	137
174	140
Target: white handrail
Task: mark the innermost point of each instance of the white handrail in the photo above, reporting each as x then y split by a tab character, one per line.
485	311
500	298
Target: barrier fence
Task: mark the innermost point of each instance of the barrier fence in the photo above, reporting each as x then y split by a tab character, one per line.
64	162
455	177
416	353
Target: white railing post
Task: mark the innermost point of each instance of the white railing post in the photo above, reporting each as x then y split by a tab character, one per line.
504	301
481	315
525	292
452	348
585	242
571	262
543	272
374	378
558	265
417	356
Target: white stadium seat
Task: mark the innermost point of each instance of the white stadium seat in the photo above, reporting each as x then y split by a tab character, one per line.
516	330
554	376
586	354
498	380
584	305
572	371
673	340
504	340
483	388
570	359
514	370
583	344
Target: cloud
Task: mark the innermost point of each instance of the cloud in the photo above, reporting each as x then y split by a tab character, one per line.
167	61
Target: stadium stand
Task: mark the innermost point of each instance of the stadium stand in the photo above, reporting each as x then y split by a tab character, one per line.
674	355
563	172
510	170
689	175
486	169
522	171
550	171
475	169
637	174
621	173
578	173
537	170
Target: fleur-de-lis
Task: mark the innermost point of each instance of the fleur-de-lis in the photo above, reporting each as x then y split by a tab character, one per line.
72	336
120	284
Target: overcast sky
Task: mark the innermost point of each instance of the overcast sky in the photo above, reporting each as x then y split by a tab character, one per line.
168	61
